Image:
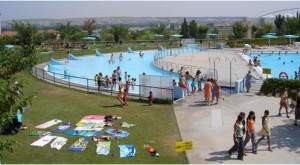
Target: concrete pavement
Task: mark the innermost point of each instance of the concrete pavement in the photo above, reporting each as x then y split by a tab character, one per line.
211	127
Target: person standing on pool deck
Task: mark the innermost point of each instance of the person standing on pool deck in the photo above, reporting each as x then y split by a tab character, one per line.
284	102
250	133
121	92
248	78
68	57
207	91
238	138
266	130
182	84
114	80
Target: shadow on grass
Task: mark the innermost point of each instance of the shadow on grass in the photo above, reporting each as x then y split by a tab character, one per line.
111	106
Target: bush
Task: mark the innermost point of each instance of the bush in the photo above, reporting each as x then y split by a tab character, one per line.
276	86
256	41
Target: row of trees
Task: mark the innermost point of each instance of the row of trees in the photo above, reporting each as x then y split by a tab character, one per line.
12	62
192	30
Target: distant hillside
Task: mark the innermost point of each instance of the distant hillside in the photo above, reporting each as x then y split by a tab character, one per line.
129	21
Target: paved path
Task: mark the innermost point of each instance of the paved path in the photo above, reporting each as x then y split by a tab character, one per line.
211	127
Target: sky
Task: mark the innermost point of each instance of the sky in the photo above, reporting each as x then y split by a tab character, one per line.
15	10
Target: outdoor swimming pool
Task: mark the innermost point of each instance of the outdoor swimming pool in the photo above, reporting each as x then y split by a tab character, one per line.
88	66
282	62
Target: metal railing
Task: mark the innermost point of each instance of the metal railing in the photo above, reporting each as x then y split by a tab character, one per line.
91	86
167	66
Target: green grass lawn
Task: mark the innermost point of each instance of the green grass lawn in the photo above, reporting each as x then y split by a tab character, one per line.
156	125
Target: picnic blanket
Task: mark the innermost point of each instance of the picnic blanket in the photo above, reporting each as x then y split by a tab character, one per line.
48	124
117	133
83	133
63	127
103	147
58	143
38	133
43	141
79	145
126	150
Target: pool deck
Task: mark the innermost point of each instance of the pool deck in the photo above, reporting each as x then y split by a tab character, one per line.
211	127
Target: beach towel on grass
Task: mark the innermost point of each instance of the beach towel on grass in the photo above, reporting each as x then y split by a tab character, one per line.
126	150
43	141
83	133
117	133
48	124
103	147
79	145
58	143
63	127
38	133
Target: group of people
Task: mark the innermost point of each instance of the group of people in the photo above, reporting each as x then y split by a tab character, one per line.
212	89
297	74
185	78
246	127
255	63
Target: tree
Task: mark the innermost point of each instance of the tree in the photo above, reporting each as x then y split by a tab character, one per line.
279	22
158	29
292	24
184	29
193	30
202	31
268	28
119	31
89	25
253	30
68	32
239	30
12	62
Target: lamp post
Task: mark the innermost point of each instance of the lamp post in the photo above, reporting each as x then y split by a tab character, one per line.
214	59
230	60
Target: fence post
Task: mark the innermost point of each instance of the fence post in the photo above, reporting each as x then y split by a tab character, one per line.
87	85
43	74
35	71
69	81
54	78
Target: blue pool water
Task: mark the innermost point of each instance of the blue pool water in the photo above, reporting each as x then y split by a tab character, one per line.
133	64
275	62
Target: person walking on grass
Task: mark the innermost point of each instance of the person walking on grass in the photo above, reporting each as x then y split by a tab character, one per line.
121	92
238	138
250	133
284	102
266	130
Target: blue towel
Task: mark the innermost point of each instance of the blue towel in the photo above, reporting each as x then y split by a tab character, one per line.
83	133
126	150
119	134
63	127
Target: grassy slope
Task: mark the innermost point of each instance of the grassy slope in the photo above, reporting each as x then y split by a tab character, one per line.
156	124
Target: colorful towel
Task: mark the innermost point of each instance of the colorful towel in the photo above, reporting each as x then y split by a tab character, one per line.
103	147
48	124
63	127
126	150
79	145
43	141
38	133
58	143
83	133
117	133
